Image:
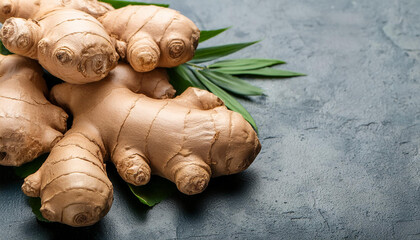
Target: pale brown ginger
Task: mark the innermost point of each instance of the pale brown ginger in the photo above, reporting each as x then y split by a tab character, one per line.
188	140
72	183
29	124
151	36
33	9
70	44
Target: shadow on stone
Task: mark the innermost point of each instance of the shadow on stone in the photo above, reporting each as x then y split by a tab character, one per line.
226	188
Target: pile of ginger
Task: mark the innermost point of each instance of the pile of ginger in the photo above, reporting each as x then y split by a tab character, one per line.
122	105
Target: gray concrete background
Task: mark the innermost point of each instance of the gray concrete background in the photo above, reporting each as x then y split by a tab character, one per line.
340	153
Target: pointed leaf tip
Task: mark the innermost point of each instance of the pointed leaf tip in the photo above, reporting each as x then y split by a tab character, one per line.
263	72
231	83
245	64
212	53
207	34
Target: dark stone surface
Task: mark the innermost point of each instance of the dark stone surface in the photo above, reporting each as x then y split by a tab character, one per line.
340	153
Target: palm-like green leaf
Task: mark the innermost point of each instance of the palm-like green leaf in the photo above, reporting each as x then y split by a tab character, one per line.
207	34
246	64
182	78
232	84
265	72
120	3
212	53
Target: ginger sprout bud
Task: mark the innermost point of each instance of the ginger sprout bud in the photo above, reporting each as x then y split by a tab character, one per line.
8	29
47	213
6	8
176	48
24	41
64	55
143	55
99	63
81	218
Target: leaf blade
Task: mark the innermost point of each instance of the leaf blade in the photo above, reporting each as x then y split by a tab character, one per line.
121	3
264	72
212	53
232	84
154	192
181	78
247	63
229	101
207	34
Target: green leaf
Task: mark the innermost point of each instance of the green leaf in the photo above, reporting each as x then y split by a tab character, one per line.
182	78
3	49
229	101
246	64
154	192
35	204
231	83
265	72
30	167
212	53
119	3
207	34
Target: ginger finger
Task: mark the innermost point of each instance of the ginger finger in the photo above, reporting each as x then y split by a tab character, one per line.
141	136
203	136
153	36
29	124
72	183
69	44
32	9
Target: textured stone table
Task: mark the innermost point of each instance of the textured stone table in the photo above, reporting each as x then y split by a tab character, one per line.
340	153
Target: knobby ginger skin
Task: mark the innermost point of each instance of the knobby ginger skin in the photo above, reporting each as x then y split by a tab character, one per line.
72	183
33	9
187	140
151	36
70	44
29	124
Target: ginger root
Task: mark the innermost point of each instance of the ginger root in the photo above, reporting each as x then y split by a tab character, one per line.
187	140
70	44
29	124
72	183
150	36
33	9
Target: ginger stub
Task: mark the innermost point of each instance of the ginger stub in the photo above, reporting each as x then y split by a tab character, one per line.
29	124
151	36
188	140
70	44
